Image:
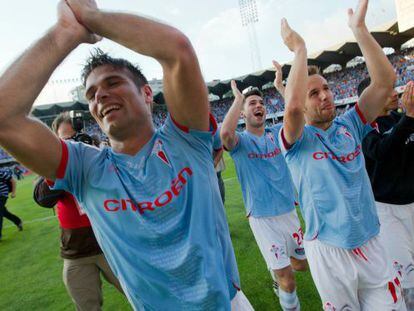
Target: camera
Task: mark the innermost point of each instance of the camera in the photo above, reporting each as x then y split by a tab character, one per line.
77	120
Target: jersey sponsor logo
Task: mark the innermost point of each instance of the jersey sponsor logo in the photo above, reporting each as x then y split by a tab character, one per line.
274	153
127	204
158	150
321	155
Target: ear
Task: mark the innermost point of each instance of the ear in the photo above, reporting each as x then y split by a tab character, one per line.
147	91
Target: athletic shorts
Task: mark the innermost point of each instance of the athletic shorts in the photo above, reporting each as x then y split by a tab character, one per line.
397	237
354	279
278	238
240	303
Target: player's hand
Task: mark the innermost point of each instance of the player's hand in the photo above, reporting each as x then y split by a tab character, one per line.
278	83
12	195
68	23
357	19
290	37
82	7
238	96
407	99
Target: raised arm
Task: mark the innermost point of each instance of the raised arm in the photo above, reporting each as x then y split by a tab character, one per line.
228	128
184	88
27	139
380	70
278	82
295	90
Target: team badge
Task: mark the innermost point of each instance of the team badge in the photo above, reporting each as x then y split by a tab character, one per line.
343	131
158	150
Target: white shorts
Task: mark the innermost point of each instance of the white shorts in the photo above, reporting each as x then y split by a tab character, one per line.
278	238
397	237
240	303
358	279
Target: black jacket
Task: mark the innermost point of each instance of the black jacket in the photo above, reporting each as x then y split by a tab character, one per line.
389	156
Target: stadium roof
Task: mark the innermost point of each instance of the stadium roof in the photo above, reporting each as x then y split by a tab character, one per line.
387	35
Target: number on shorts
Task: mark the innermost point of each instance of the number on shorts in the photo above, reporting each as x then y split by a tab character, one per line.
298	236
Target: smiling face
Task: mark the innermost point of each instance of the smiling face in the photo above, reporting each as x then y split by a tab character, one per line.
319	104
254	111
116	103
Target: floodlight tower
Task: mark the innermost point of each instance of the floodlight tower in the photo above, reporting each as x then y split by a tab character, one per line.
249	17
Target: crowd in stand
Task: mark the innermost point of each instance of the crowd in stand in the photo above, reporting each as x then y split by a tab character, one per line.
343	83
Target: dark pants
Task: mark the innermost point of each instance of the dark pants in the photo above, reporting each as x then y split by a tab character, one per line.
5	213
221	187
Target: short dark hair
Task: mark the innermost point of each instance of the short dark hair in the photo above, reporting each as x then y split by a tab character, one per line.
252	91
62	117
363	85
99	58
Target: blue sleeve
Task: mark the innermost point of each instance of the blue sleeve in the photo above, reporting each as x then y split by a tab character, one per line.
217	145
200	141
291	151
239	145
75	167
356	122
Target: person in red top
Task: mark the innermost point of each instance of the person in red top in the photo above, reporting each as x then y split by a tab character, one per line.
83	260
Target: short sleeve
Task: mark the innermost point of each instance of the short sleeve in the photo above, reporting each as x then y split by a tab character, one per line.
76	161
195	139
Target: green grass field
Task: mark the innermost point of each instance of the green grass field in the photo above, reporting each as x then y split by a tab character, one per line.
31	268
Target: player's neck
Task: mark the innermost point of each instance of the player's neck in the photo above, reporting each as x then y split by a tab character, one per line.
321	125
258	131
133	143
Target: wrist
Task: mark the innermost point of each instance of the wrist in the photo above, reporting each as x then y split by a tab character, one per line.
301	49
359	29
64	37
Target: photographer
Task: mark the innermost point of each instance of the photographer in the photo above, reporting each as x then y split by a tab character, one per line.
83	260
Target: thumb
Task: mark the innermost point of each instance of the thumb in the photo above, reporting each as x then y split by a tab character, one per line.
350	12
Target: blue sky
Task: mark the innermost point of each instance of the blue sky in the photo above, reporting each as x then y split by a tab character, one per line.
213	26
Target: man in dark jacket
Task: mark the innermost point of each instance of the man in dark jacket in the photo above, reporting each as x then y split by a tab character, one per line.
389	154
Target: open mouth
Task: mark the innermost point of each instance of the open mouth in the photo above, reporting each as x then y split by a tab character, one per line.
107	110
258	113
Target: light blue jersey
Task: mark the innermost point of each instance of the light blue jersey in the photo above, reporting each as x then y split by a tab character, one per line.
335	194
159	219
263	174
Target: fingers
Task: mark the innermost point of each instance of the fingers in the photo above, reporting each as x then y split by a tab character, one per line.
277	66
233	85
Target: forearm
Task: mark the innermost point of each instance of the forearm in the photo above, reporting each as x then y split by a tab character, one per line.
26	77
143	35
230	122
295	96
379	67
